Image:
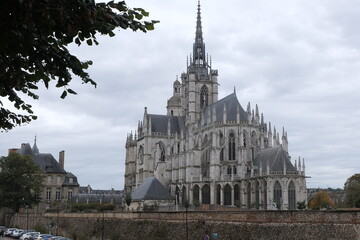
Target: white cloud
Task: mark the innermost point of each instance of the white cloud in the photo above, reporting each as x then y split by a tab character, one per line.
298	60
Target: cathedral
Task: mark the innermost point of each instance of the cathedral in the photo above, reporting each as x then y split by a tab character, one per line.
207	150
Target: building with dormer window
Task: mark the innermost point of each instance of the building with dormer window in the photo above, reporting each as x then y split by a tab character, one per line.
58	185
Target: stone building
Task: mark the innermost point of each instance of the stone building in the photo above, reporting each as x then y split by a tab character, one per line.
58	185
212	151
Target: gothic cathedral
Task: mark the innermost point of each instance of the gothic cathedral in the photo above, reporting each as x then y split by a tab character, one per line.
211	151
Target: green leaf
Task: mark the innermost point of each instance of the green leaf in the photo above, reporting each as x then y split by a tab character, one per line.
63	95
149	26
89	42
77	41
71	91
138	16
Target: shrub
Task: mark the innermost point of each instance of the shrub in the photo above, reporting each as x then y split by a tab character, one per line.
196	203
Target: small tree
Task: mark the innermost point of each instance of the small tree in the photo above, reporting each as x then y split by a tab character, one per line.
20	181
128	199
352	189
301	205
321	200
186	204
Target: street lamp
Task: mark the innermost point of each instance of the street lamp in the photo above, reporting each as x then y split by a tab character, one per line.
186	205
27	217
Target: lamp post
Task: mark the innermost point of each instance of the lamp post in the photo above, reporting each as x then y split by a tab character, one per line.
27	217
186	204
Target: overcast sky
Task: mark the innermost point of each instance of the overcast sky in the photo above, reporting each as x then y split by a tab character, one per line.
298	60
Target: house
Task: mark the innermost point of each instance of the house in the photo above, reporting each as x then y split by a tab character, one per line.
59	185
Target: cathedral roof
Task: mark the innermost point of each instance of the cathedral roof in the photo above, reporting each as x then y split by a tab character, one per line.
151	189
174	101
275	157
231	103
159	123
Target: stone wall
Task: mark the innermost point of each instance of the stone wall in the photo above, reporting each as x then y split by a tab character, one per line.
5	216
172	225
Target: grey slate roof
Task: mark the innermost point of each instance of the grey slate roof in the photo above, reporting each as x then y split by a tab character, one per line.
276	157
67	181
45	161
105	198
151	189
232	104
174	101
159	123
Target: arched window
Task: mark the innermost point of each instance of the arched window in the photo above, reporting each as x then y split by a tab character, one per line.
141	155
162	154
177	195
203	97
218	194
229	170
257	195
205	162
248	193
184	195
277	195
292	196
205	141
234	170
237	195
227	195
221	138
244	139
196	194
265	195
205	194
231	146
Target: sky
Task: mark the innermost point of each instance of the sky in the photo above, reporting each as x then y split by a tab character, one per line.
298	60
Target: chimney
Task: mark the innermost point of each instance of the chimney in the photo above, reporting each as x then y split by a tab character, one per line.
12	150
62	158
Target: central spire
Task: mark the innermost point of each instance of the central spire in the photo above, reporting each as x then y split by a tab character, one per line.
198	35
199	62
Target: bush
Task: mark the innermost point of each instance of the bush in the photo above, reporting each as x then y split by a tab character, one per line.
196	203
301	205
40	228
91	207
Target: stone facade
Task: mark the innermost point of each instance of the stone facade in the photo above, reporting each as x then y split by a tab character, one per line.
211	151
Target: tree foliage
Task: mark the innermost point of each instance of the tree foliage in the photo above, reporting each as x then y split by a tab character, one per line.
321	200
33	46
352	189
128	199
20	181
301	205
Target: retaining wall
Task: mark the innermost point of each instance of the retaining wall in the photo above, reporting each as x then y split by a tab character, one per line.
172	225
